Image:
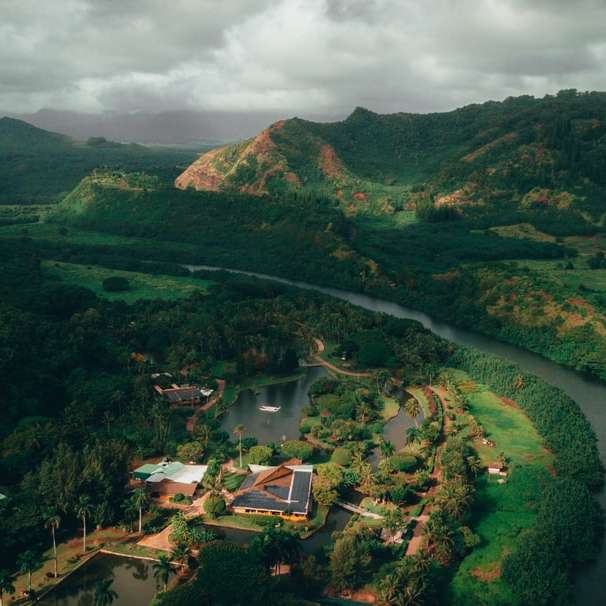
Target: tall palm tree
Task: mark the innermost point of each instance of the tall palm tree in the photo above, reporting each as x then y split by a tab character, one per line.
387	448
162	571
413	435
140	501
27	561
181	553
238	431
413	409
6	585
53	521
83	511
104	594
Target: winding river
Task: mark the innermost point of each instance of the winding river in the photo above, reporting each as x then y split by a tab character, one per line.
590	395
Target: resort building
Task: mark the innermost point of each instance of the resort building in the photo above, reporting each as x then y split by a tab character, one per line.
170	478
183	395
283	491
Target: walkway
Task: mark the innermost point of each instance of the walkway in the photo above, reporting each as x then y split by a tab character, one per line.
356	509
321	362
191	421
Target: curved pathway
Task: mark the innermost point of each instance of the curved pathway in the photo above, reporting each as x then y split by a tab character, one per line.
318	359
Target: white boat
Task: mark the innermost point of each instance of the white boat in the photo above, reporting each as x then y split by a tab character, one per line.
268	408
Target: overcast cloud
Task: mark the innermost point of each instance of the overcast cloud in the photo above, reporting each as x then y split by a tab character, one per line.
294	56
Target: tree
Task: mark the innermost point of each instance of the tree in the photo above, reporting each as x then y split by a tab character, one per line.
6	585
214	506
413	435
238	431
27	561
162	570
232	574
407	585
53	521
140	501
413	409
387	448
104	594
191	451
298	449
349	562
260	455
181	553
83	511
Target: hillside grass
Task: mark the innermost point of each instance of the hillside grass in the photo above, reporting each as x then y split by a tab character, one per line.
501	511
142	286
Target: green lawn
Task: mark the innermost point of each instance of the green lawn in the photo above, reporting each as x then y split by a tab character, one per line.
143	286
501	511
391	407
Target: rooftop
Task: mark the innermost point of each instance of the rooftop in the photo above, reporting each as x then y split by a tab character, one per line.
172	471
285	489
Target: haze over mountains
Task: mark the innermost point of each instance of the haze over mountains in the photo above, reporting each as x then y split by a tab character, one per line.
178	127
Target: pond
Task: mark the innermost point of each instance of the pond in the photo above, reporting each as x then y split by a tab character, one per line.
272	426
133	581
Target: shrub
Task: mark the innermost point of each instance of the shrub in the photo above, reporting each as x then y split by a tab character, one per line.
116	284
403	463
214	506
260	455
298	448
341	456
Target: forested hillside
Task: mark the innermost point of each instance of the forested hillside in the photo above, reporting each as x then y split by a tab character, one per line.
40	166
517	155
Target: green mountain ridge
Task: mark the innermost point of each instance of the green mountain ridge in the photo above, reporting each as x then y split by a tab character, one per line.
479	156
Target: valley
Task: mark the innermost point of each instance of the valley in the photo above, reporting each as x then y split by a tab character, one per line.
431	256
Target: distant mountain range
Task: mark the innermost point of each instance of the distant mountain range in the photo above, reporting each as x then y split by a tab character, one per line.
165	128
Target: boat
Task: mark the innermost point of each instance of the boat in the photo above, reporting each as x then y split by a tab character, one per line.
268	408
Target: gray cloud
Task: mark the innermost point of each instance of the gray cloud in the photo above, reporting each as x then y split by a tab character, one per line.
294	56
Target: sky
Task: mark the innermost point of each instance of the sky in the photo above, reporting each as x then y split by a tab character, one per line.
296	57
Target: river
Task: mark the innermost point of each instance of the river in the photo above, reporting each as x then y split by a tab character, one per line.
589	394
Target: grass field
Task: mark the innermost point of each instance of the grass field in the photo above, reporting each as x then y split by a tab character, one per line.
142	286
501	511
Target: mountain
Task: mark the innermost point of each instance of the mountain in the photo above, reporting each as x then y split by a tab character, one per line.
41	166
548	152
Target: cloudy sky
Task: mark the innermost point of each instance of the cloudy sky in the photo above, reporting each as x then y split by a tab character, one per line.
294	56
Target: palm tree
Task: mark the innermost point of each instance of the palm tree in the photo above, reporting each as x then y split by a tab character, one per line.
413	435
387	448
413	409
140	501
181	553
83	511
239	430
53	521
382	377
27	561
6	585
364	411
104	594
162	571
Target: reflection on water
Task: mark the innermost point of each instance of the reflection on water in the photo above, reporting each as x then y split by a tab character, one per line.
272	426
133	581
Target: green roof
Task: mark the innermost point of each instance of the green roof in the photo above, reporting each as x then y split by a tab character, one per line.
143	472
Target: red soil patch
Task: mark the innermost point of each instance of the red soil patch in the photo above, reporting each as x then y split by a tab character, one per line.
360	196
491	574
293	178
330	164
339	193
508	402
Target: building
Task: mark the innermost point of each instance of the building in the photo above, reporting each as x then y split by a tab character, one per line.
284	490
181	395
497	469
170	478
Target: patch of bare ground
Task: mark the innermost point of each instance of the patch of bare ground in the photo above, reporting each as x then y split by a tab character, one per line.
509	402
330	164
492	573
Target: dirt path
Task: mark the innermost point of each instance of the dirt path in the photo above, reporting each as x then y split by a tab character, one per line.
418	540
191	421
348	373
